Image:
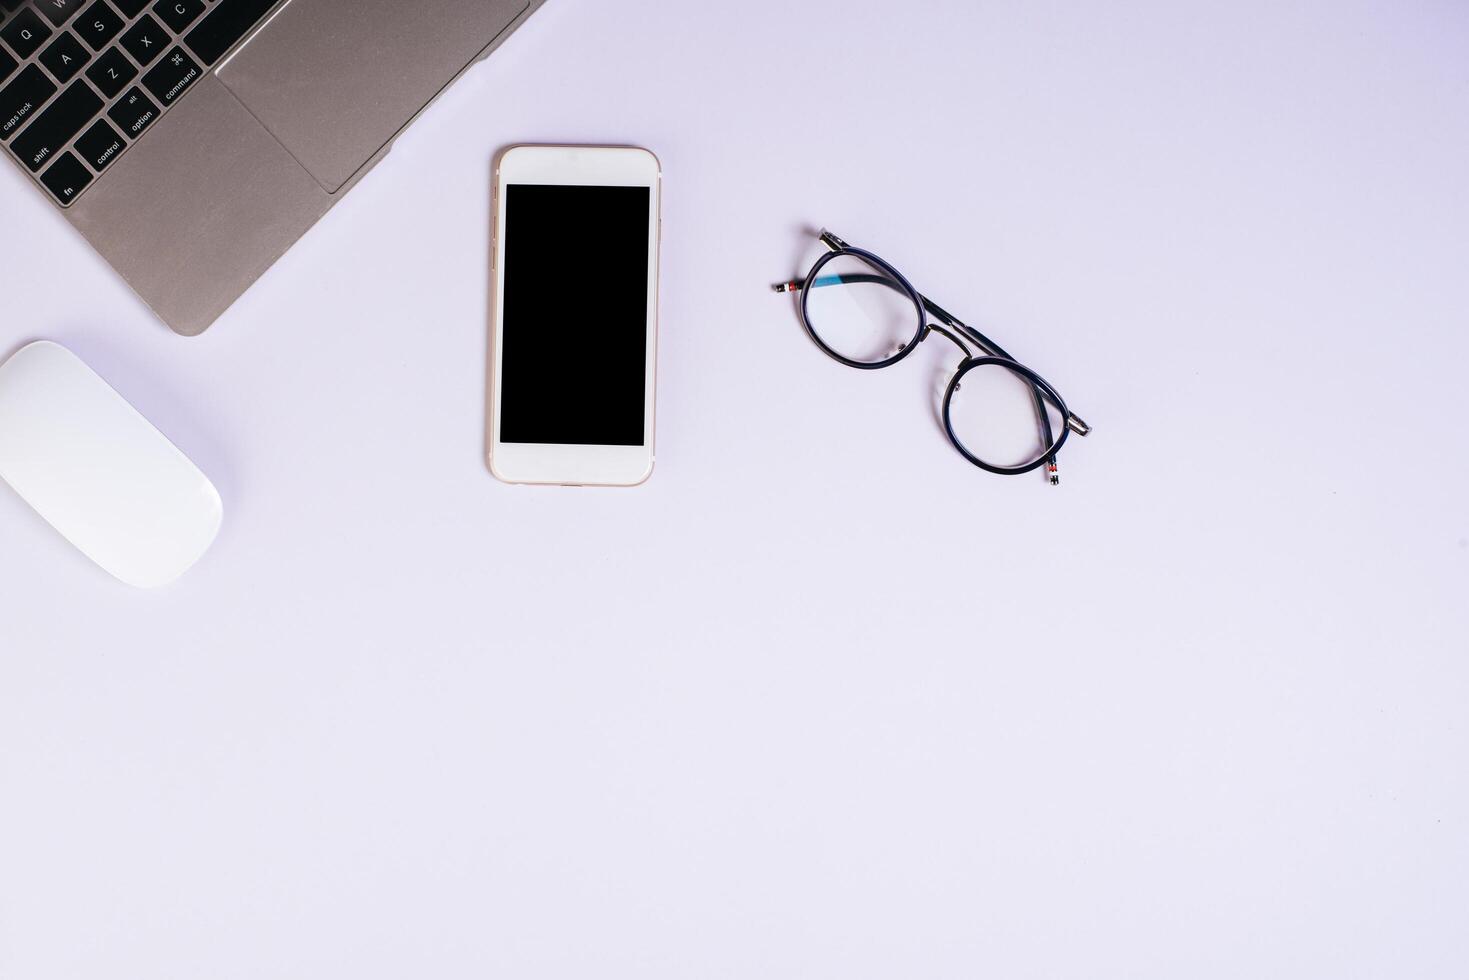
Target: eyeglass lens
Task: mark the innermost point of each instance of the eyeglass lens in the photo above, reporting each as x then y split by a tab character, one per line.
859	311
995	417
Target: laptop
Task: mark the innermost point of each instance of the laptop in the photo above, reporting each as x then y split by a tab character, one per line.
192	142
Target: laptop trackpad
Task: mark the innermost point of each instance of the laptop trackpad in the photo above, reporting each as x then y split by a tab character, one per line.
335	80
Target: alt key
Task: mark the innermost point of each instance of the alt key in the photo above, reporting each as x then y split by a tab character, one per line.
67	178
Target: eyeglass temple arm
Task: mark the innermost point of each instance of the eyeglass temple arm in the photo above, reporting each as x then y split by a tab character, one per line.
833	244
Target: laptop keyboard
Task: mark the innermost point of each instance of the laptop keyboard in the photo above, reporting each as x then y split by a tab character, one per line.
82	80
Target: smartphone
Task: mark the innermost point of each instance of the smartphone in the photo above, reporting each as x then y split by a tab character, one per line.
574	345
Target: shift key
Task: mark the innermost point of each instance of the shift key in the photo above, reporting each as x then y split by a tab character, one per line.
172	76
54	128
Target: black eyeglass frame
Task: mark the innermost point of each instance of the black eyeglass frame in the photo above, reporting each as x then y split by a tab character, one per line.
956	331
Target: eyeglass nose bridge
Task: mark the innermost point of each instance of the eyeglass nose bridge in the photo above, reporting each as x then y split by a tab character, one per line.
945	332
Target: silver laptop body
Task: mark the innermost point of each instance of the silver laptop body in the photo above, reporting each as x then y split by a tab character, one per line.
193	141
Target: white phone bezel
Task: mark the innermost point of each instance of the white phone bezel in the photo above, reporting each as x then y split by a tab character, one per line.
598	166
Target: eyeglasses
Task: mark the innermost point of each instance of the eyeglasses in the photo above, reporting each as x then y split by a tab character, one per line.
999	414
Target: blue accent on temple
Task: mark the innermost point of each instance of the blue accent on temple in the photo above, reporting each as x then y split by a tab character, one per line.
824	281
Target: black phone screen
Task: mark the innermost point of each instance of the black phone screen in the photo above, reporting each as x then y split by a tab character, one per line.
574	333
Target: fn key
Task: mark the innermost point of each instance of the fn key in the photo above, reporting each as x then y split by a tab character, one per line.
172	76
67	178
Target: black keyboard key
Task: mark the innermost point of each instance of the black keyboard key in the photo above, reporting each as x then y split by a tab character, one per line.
98	25
8	65
112	72
134	113
229	21
145	40
20	100
53	129
58	11
25	32
172	77
100	145
67	178
131	8
178	14
65	57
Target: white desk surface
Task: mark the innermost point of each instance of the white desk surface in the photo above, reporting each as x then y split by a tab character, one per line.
820	700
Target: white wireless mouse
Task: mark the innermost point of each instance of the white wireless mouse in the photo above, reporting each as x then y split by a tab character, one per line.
104	477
